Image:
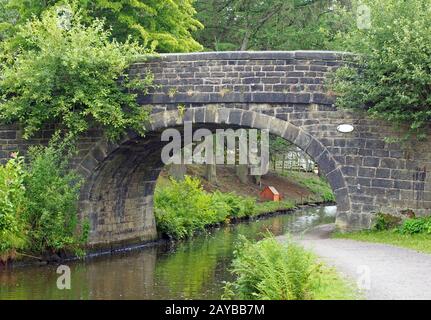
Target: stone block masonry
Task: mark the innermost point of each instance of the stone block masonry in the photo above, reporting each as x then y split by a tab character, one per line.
280	91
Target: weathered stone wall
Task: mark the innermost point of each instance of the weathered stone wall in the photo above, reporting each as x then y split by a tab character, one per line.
240	77
279	91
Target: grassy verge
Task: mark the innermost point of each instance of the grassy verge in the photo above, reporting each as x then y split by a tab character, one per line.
275	271
266	207
319	187
419	242
412	233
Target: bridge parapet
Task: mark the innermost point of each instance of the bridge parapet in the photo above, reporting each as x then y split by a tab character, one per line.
240	77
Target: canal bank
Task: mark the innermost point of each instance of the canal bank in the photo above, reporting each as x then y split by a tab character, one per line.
27	260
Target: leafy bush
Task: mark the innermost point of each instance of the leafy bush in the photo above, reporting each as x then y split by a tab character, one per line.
13	233
320	187
69	76
269	270
416	225
52	193
391	77
237	207
183	207
397	224
38	204
386	221
408	226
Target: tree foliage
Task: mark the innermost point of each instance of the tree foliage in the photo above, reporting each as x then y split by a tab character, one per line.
392	76
164	25
69	76
270	24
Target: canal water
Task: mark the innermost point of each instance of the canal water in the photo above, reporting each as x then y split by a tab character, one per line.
193	269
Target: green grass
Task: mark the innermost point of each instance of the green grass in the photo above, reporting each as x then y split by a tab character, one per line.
420	242
270	206
271	270
318	186
330	285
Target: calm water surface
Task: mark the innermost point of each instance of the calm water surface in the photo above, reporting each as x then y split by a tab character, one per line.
194	269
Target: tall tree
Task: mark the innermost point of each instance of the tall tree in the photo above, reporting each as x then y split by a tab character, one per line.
393	81
269	24
69	76
165	25
211	173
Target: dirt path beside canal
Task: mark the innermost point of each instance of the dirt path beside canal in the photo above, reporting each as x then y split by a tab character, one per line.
384	272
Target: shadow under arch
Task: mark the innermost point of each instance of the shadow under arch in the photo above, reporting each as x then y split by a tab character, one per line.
117	196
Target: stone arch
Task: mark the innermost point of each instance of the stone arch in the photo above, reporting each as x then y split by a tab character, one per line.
368	173
117	197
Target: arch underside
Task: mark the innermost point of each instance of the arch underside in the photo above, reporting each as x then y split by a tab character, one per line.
117	198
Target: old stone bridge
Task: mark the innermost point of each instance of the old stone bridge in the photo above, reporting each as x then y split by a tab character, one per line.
279	91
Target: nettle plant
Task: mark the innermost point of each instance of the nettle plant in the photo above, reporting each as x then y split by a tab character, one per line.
70	74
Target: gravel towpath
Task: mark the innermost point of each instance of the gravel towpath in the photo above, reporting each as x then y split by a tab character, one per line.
384	272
